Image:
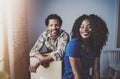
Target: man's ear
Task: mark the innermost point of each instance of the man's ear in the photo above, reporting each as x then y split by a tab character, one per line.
48	28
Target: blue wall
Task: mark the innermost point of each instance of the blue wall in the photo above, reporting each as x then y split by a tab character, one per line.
69	10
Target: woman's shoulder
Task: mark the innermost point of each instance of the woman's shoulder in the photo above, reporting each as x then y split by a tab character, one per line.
73	48
74	41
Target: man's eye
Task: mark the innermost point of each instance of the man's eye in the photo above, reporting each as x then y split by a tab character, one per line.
51	25
57	25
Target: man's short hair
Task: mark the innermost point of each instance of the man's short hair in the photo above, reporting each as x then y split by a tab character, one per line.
53	16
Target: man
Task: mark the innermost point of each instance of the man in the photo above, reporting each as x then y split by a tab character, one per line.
54	40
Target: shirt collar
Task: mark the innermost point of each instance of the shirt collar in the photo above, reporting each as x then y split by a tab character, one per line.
48	33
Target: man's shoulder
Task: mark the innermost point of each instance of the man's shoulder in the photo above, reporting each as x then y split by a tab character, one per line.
44	34
64	34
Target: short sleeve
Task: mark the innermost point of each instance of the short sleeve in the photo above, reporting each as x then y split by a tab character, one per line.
73	49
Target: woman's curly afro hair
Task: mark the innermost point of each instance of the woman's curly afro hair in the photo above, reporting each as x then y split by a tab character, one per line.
99	34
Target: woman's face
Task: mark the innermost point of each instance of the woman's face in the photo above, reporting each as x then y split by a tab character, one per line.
54	27
85	29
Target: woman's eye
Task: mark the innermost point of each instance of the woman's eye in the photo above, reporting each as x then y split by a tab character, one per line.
90	27
82	27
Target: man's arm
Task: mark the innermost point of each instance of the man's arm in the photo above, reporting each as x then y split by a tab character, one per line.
35	51
38	46
44	57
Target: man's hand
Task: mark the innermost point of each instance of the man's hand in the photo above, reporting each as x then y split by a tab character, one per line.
44	57
44	61
33	67
45	64
39	59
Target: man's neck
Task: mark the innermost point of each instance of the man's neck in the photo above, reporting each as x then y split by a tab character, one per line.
54	37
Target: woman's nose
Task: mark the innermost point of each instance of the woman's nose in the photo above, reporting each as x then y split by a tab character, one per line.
85	28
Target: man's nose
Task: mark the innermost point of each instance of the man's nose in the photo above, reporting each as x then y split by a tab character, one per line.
54	27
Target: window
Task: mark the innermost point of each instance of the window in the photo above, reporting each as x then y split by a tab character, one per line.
118	36
1	43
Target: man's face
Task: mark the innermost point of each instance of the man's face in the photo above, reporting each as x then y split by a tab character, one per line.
54	27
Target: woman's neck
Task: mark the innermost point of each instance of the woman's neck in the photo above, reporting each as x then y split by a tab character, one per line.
85	45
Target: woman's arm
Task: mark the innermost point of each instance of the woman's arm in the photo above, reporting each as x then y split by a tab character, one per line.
76	67
96	68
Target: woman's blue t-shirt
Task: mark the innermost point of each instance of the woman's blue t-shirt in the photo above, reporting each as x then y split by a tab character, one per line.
75	50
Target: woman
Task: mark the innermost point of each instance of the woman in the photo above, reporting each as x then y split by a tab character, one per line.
89	35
